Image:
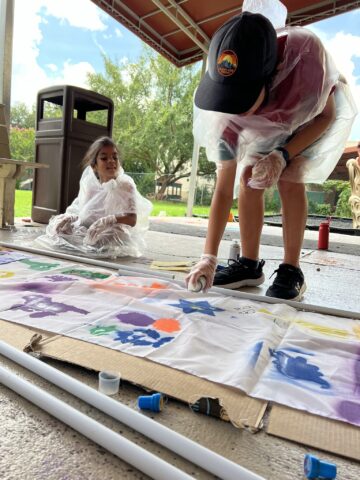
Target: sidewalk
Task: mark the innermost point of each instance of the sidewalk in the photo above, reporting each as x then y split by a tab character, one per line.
271	235
333	281
332	276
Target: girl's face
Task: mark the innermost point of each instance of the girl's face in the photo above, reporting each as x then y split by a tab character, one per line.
107	164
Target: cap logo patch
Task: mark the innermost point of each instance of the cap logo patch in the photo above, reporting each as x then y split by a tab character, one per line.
227	63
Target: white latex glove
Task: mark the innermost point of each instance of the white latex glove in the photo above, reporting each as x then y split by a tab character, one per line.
98	227
267	170
205	267
64	223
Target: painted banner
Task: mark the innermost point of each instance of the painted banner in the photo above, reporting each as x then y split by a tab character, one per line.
304	360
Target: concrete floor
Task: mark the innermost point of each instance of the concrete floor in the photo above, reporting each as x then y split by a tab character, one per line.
36	446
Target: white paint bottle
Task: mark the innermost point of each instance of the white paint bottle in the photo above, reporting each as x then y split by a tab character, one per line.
234	252
198	286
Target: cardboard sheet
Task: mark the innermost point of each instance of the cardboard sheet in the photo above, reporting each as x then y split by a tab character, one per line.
226	402
318	432
241	410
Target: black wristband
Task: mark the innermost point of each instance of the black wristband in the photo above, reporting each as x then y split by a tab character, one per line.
285	154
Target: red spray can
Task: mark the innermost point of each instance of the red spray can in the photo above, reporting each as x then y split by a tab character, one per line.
324	230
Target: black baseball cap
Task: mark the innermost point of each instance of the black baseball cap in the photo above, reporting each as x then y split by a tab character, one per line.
242	58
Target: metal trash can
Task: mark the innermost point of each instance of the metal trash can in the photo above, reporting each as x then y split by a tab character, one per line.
68	120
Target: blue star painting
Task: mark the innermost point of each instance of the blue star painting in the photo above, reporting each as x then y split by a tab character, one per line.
199	307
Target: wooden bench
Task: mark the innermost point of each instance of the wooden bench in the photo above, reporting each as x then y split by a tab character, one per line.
10	171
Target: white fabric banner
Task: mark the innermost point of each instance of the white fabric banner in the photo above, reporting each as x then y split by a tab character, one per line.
274	352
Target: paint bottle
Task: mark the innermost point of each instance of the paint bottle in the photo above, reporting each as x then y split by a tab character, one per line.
323	240
154	402
234	252
198	286
315	468
109	382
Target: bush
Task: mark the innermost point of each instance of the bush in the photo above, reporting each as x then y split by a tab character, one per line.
204	195
343	208
272	201
323	209
145	182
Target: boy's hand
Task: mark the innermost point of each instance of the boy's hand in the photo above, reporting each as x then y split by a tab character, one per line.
205	267
266	172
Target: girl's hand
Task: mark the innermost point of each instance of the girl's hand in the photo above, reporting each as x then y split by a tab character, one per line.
266	172
98	227
64	223
205	267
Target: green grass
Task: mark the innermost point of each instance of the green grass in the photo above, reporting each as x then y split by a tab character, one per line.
179	209
23	199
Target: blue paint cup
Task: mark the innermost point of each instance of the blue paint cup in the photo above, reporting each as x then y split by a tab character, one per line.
315	468
154	402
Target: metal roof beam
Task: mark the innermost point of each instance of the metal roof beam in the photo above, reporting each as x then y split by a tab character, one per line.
209	19
184	28
307	15
189	19
155	12
136	25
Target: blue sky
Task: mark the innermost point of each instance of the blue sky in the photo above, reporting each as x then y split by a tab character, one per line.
60	41
116	41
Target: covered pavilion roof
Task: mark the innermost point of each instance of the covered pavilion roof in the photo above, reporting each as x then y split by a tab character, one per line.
181	29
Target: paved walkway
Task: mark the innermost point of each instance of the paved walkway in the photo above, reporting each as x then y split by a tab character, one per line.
36	446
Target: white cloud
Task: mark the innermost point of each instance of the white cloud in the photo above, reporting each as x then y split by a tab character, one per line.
52	67
75	73
344	47
100	47
27	75
118	33
78	13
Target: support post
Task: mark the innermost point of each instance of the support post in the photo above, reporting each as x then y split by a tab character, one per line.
192	183
6	41
194	164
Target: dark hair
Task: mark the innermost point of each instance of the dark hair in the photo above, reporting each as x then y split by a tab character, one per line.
94	149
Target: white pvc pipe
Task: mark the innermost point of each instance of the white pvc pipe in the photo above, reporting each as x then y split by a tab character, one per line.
306	307
88	261
113	442
192	451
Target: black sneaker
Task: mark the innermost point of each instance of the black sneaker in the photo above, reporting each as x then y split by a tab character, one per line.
289	283
240	273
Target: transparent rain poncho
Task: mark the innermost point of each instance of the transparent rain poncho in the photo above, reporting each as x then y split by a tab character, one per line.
305	78
96	201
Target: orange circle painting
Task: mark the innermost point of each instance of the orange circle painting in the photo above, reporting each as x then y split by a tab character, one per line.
167	325
227	63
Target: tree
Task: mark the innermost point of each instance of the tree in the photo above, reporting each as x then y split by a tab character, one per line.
22	143
153	116
23	116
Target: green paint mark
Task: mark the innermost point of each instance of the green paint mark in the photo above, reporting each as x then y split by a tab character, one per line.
102	330
86	274
39	265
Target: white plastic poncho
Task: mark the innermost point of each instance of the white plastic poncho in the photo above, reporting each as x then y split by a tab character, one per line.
97	200
300	89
